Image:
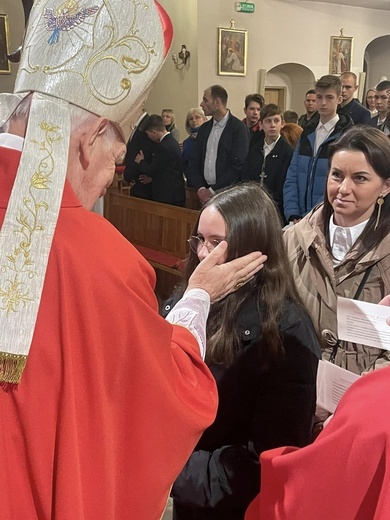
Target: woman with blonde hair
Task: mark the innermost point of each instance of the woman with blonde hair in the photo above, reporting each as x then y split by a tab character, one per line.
194	120
370	101
169	119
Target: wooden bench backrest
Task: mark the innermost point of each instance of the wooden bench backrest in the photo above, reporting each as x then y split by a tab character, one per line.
151	224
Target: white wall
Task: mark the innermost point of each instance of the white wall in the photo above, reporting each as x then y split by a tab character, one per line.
281	32
178	89
379	60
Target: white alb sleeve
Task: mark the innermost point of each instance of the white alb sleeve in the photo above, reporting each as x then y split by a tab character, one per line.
192	312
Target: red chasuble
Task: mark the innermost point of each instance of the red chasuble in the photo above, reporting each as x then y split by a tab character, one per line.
113	398
345	474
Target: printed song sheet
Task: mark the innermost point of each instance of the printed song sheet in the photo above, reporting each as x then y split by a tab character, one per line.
332	383
362	322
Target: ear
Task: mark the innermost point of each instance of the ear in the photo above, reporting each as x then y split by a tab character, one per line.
386	188
90	133
339	99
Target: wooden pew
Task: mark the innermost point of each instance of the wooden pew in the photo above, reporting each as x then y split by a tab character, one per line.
192	199
158	231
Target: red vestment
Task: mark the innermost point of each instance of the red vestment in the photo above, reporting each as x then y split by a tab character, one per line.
344	474
113	398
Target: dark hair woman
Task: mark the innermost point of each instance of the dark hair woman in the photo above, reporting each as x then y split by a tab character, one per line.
263	352
342	247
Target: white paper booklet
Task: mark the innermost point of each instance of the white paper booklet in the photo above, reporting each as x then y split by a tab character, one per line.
362	322
332	383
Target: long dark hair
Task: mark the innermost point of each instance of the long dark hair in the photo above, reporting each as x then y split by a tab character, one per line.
252	224
375	146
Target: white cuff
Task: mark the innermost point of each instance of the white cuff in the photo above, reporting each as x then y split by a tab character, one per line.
192	312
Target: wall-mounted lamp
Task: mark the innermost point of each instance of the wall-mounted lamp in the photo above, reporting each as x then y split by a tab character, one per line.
183	56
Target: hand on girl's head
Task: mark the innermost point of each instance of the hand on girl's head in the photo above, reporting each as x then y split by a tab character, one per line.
220	279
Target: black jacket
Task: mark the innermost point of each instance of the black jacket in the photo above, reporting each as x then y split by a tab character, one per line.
359	114
259	409
165	169
233	149
275	169
139	141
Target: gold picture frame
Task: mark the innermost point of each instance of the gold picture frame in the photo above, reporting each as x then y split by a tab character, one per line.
5	64
232	51
340	54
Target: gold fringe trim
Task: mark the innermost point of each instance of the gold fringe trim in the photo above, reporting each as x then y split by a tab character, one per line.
11	367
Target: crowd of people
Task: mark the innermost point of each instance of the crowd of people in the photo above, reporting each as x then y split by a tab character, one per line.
324	177
222	151
107	406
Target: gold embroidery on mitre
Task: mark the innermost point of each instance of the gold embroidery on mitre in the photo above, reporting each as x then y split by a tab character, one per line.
115	52
28	224
11	367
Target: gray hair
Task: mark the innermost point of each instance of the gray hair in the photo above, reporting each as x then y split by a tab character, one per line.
78	118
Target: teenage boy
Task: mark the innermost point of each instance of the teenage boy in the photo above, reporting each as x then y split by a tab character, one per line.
270	155
164	171
380	121
253	105
310	103
306	176
349	105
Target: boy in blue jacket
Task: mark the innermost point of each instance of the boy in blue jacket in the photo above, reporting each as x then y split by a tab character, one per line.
306	176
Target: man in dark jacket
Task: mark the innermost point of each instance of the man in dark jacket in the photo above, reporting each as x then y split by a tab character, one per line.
164	172
349	105
221	146
381	120
306	176
310	103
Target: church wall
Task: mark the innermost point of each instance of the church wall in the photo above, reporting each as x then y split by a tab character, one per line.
178	89
280	32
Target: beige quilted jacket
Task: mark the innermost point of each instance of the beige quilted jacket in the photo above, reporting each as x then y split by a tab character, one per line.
319	284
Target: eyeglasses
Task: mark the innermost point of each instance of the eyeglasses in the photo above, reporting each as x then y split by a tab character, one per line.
196	243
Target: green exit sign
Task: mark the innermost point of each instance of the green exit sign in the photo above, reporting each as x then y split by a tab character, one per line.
245	7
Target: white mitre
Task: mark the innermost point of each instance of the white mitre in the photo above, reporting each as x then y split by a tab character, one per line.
103	56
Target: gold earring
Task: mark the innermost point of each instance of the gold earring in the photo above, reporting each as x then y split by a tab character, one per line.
380	201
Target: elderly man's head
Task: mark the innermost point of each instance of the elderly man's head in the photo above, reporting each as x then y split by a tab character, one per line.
95	147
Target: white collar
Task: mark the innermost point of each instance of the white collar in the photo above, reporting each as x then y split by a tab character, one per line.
330	124
272	145
343	238
11	141
222	122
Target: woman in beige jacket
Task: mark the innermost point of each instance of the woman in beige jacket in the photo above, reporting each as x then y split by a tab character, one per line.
342	247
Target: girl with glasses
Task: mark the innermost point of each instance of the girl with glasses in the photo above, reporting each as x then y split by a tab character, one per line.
263	352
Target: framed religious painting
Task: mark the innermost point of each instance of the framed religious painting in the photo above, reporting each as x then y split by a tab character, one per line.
340	54
232	51
5	65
